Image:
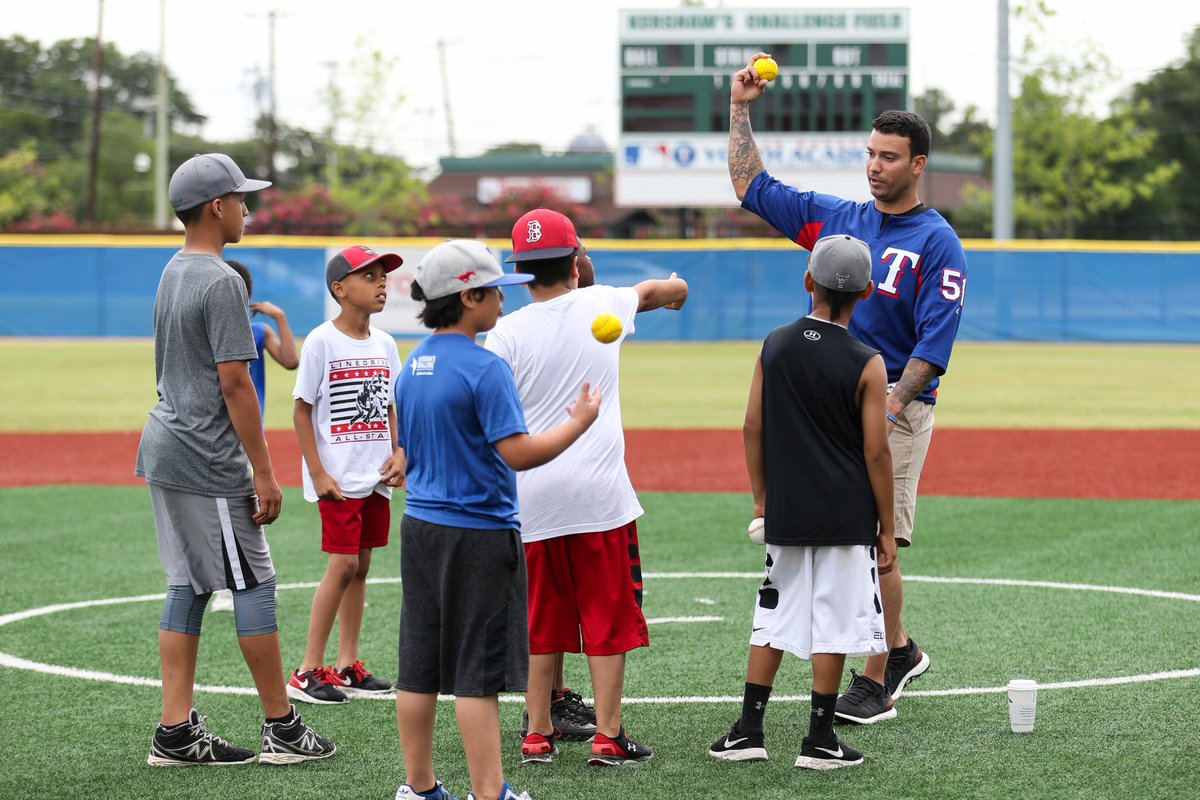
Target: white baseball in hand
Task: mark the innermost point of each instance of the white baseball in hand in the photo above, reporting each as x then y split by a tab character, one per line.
757	530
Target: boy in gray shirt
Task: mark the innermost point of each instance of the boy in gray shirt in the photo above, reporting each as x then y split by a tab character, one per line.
211	481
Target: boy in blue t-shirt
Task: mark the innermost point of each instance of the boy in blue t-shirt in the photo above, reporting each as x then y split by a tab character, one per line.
463	618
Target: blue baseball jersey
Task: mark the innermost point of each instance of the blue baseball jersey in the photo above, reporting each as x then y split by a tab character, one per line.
454	400
920	270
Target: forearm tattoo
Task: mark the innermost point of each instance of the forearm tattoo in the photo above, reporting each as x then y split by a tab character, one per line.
744	159
917	375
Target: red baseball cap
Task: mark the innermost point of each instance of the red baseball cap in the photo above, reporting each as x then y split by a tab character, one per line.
542	233
356	258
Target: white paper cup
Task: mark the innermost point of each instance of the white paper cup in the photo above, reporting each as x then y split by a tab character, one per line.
1022	704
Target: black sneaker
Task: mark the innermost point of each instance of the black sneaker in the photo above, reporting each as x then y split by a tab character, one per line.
617	751
315	686
864	702
831	756
355	681
574	701
574	720
738	746
292	741
190	744
904	665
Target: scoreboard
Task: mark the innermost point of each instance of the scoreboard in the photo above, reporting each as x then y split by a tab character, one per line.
838	69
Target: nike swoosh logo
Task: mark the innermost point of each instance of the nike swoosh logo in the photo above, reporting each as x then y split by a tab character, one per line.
835	753
734	742
302	684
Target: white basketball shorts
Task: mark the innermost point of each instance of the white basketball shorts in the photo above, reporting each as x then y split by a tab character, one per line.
820	600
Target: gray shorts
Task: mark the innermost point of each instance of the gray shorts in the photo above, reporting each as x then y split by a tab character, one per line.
464	626
210	543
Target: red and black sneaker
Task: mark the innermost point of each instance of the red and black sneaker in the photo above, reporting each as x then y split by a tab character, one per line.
537	748
610	751
355	681
314	686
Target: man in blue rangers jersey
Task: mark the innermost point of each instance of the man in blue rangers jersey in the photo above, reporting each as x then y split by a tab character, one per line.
920	274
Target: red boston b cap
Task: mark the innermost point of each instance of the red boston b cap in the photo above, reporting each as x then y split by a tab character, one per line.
356	258
542	233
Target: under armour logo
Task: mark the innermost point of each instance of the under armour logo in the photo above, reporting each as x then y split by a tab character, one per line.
466	276
820	712
535	231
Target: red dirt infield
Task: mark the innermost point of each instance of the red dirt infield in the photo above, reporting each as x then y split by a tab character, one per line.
1120	464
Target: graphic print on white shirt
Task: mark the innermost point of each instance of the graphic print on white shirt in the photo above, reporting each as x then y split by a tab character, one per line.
358	400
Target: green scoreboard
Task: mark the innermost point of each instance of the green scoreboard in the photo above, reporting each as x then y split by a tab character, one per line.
838	69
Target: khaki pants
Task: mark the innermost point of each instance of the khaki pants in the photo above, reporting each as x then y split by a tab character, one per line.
910	443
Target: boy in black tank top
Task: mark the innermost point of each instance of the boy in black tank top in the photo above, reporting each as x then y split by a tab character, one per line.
821	476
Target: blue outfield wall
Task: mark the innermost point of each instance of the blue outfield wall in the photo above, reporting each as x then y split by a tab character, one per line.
740	289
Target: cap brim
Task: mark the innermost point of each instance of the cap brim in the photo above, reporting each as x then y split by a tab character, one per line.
390	261
537	255
509	279
252	185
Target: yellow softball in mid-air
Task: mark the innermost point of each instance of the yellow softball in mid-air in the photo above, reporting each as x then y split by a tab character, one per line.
606	328
766	68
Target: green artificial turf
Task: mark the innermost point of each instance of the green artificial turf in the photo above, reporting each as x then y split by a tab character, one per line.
70	737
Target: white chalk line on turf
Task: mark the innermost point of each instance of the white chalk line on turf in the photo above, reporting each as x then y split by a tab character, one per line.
15	662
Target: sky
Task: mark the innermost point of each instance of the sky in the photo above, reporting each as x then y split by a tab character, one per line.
538	71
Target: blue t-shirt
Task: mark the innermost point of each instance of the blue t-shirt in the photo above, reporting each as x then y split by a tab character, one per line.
258	368
920	270
454	400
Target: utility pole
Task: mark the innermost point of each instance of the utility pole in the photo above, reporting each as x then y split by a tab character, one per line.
162	124
272	128
89	207
332	177
446	98
1002	155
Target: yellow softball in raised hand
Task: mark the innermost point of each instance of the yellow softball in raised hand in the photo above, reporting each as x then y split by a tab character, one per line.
606	328
766	68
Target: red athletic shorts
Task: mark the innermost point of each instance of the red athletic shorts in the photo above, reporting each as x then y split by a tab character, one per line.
354	524
585	593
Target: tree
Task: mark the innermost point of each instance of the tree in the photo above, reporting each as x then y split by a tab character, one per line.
1166	104
28	193
1072	171
46	93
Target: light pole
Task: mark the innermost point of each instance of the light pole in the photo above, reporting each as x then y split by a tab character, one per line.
162	124
1002	156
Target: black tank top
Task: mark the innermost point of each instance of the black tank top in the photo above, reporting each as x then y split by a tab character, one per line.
818	490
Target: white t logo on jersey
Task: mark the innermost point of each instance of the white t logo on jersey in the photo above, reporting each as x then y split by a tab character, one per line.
899	259
535	231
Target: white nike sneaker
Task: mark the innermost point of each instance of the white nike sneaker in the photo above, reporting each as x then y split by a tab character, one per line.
738	746
831	756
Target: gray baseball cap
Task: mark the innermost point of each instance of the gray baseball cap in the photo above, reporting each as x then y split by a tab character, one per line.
841	263
458	264
206	177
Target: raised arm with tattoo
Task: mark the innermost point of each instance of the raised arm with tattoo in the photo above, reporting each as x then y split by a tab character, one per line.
744	159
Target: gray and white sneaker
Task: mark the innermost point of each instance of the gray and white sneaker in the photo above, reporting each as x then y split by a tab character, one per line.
831	756
292	741
222	600
190	744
